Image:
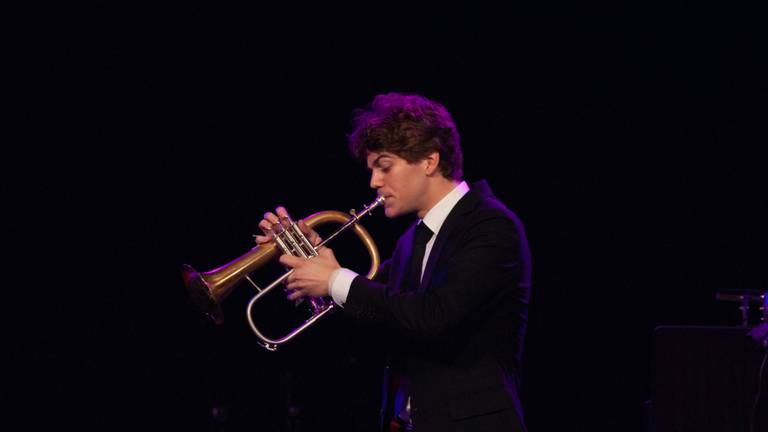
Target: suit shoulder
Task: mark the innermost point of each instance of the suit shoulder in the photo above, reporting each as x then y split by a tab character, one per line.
491	217
492	208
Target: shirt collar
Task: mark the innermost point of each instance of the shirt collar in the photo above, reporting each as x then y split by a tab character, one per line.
436	215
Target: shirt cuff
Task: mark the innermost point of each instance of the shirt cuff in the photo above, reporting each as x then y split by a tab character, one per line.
339	284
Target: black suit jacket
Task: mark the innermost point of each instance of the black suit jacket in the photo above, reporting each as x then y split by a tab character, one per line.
461	332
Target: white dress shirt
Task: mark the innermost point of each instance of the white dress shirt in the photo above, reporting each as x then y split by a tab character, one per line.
341	279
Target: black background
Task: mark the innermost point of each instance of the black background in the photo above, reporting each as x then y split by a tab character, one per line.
627	137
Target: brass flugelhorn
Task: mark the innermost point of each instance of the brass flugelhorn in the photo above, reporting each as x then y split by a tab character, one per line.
209	289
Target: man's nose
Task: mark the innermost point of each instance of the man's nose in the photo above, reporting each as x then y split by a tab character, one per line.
375	181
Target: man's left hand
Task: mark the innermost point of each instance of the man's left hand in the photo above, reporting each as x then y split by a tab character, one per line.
311	276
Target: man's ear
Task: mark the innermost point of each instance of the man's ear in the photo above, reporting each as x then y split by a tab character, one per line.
432	162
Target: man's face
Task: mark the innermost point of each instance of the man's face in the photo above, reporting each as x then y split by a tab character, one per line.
403	185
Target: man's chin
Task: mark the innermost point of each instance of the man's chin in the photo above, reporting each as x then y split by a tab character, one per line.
391	212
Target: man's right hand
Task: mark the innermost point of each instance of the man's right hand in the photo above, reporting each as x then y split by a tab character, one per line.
271	219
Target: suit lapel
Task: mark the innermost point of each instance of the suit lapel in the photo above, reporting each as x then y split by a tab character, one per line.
403	257
466	204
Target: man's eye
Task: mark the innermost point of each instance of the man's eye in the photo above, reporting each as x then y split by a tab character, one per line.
385	169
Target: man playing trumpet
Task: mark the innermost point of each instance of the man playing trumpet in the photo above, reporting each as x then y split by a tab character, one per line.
453	296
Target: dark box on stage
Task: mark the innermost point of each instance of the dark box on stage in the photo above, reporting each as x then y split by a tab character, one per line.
706	379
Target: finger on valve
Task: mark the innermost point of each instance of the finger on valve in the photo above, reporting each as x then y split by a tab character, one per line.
282	212
268	233
265	237
271	222
266	226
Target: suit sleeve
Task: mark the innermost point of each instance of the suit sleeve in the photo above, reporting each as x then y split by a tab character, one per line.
468	279
382	275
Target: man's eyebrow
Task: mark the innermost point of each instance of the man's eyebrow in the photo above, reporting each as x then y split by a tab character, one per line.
376	161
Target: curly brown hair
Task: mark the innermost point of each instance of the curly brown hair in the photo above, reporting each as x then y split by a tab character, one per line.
410	126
